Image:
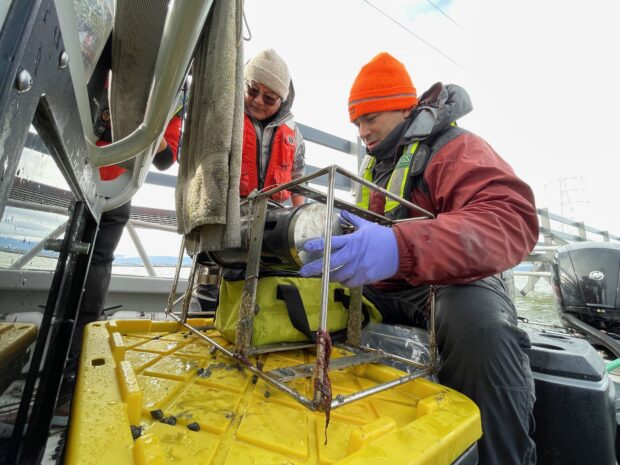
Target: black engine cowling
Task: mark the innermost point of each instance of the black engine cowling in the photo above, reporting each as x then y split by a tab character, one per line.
585	283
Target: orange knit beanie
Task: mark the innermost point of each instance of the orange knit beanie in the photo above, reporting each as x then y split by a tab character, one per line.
383	84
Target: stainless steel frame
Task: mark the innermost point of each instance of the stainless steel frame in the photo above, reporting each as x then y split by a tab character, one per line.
360	355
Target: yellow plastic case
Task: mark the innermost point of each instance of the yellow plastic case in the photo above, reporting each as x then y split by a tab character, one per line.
187	404
15	339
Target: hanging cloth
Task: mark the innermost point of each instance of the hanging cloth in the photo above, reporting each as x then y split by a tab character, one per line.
207	191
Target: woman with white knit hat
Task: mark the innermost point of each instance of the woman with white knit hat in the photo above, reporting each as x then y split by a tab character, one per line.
273	147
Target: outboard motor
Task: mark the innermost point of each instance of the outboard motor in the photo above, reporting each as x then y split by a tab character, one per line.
585	284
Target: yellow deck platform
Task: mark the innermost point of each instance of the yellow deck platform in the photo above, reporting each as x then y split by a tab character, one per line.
135	371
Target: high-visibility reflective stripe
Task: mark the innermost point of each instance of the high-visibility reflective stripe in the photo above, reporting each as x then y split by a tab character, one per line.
398	179
362	193
396	184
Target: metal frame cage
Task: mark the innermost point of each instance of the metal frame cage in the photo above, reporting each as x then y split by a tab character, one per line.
321	399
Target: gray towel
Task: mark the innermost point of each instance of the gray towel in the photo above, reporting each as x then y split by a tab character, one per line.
207	192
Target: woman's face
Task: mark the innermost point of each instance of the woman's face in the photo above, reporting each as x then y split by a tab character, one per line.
260	101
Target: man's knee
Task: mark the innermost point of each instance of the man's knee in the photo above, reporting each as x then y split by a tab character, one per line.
476	328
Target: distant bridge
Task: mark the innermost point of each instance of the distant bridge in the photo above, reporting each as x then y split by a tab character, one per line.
555	231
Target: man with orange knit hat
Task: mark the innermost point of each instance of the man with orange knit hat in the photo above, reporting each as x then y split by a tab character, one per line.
485	223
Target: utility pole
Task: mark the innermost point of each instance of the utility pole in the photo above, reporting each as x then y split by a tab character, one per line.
568	194
573	198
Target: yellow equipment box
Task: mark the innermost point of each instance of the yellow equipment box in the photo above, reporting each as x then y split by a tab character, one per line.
15	339
151	393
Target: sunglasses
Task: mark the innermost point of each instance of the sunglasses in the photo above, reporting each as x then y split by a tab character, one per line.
254	92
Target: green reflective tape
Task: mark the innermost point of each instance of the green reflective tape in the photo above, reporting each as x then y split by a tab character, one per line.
398	180
403	162
362	193
396	184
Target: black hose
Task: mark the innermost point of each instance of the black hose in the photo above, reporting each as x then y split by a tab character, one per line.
608	342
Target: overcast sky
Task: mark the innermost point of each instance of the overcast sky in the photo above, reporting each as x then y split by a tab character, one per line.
541	75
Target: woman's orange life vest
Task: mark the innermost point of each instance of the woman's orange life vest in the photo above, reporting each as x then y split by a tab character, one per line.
281	159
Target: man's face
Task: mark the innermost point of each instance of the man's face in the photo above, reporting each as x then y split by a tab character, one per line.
374	127
260	101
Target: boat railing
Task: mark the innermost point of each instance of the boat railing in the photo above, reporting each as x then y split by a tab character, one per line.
555	229
36	197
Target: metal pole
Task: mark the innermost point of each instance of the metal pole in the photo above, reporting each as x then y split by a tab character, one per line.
37	207
245	327
340	400
354	323
533	273
159	227
172	304
327	249
546	248
18	264
398	358
581	228
175	281
309	177
321	350
195	314
190	289
140	248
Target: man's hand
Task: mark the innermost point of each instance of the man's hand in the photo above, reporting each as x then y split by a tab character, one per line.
367	255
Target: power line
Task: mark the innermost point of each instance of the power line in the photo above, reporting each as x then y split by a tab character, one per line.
414	34
444	13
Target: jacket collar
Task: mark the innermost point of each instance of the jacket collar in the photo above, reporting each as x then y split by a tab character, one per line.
437	109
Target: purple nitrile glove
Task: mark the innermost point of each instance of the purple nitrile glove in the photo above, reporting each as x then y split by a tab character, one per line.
365	256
